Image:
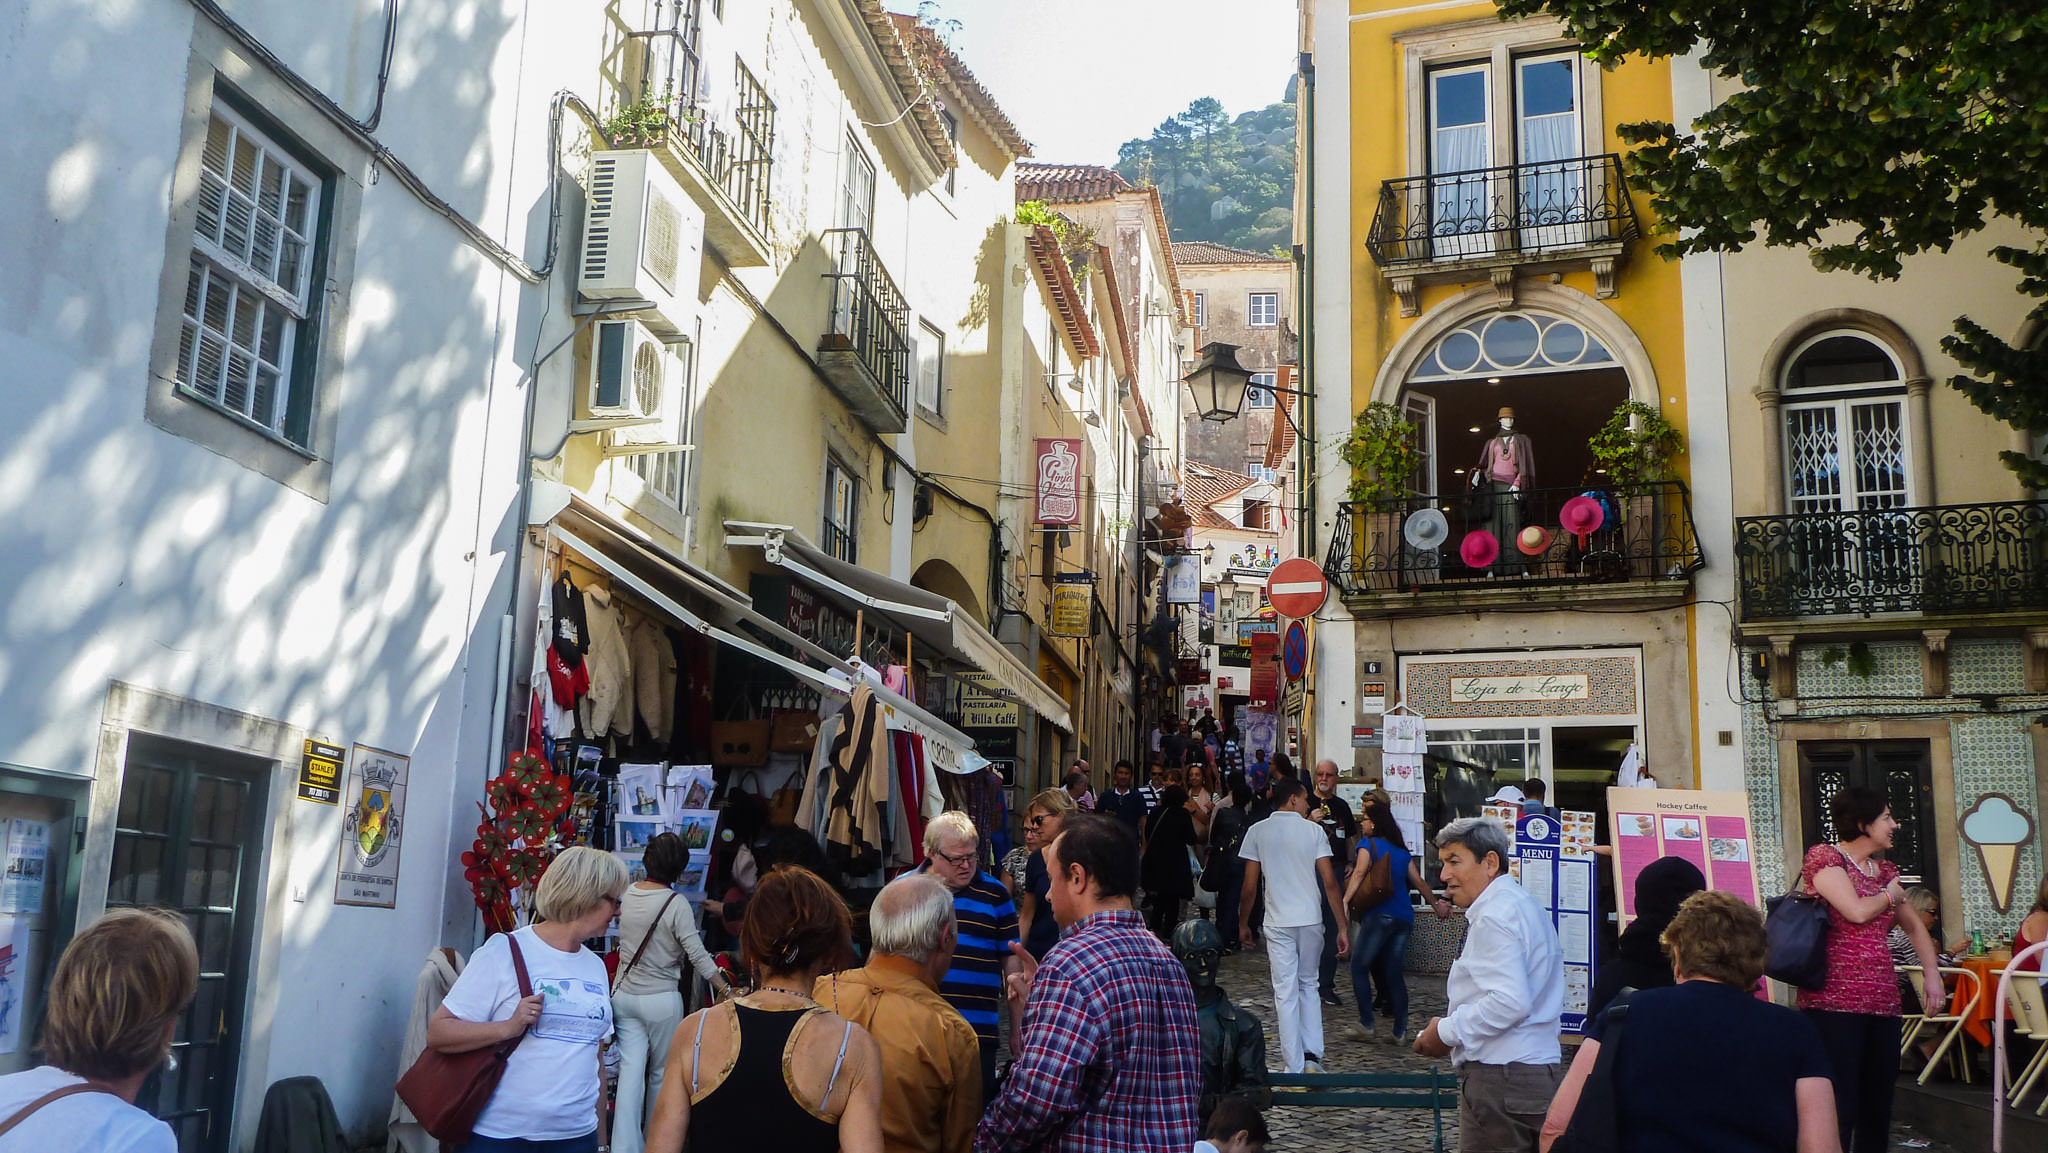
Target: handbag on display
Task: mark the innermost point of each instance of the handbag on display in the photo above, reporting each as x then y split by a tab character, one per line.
447	1092
1796	925
792	731
1375	886
740	743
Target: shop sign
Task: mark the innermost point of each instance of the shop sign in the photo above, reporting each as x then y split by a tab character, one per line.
995	744
1265	670
1372	696
372	829
1059	480
1710	829
1072	598
1553	688
1183	580
981	708
1254	628
1295	698
806	614
1234	654
1365	736
320	772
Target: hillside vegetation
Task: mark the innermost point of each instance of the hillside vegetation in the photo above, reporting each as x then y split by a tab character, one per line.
1229	181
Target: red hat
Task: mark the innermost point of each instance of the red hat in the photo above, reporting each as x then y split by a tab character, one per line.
1533	540
1480	548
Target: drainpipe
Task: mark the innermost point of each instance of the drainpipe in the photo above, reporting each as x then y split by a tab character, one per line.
1305	449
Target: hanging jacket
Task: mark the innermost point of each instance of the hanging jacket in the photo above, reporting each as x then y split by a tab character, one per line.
607	708
654	676
571	634
860	786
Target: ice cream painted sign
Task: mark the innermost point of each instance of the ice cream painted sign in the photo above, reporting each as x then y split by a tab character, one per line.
1999	830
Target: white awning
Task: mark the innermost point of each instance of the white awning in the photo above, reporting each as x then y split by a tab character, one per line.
932	619
947	746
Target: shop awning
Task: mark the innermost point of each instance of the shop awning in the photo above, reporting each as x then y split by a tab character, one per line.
932	619
633	560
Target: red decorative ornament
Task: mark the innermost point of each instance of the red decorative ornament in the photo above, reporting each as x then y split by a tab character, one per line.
551	795
501	793
526	823
525	771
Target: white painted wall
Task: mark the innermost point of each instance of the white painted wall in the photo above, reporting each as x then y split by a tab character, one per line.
139	556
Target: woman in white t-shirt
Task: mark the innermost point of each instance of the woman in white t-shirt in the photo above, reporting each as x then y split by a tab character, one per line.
553	1085
114	1004
656	934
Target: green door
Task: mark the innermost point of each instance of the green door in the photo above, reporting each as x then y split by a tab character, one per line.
188	838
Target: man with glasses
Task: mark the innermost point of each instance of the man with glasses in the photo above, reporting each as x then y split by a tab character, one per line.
987	919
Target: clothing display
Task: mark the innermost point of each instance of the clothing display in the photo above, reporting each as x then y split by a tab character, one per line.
607	708
653	664
568	633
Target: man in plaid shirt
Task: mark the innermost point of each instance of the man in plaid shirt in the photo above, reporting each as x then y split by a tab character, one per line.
1110	1060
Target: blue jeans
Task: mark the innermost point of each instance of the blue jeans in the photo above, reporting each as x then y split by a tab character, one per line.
482	1144
1381	953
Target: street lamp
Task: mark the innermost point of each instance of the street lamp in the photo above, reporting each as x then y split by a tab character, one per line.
1219	383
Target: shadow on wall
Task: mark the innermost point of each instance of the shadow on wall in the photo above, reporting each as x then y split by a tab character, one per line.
139	556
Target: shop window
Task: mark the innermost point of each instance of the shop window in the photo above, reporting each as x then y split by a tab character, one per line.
247	341
842	512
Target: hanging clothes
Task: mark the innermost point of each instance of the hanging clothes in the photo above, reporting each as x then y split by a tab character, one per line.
571	632
556	684
654	676
813	807
909	809
860	787
607	708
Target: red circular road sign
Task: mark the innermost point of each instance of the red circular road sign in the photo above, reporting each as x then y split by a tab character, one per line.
1297	588
1294	651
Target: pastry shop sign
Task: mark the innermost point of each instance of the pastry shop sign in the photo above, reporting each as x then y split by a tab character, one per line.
1550	687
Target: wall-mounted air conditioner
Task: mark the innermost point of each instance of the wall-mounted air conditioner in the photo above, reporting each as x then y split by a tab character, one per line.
630	370
642	239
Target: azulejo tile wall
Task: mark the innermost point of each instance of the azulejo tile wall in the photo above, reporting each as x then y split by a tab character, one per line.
1992	752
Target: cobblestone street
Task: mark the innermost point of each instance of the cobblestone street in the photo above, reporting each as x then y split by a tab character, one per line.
1301	1130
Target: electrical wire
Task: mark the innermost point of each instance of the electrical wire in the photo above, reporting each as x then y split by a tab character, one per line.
376	117
385	160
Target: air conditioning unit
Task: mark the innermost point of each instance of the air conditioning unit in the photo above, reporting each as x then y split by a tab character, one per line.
642	239
630	370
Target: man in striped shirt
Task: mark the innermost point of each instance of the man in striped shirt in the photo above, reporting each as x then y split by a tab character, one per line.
988	927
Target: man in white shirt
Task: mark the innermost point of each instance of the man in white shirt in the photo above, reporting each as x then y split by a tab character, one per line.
1292	854
1506	992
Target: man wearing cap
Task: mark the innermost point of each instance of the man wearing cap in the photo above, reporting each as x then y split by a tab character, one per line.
1507	466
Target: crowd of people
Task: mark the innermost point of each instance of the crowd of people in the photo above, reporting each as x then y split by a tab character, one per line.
1118	1041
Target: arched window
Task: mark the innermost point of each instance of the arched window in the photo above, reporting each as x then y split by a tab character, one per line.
1847	444
1512	344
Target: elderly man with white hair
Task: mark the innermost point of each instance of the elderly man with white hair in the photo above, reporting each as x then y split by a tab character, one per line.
987	920
931	1060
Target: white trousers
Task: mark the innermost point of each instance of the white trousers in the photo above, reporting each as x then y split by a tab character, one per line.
645	1022
1294	955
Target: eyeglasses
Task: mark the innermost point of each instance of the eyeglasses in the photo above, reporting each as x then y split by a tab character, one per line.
956	862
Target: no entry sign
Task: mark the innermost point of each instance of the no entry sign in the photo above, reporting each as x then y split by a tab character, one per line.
1297	588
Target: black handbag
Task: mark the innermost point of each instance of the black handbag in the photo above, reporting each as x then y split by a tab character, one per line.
1797	928
1595	1126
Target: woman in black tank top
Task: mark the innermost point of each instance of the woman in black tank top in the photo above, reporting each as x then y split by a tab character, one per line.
771	1070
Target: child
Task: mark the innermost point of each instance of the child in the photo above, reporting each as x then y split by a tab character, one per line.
1235	1127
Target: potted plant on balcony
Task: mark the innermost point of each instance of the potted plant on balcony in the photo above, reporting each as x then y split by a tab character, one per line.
1636	448
1381	452
641	125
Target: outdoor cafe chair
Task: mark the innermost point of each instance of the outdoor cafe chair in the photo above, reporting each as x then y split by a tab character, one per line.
1948	1024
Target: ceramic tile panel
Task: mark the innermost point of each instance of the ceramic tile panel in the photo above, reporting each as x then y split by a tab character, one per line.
1897	673
1988	665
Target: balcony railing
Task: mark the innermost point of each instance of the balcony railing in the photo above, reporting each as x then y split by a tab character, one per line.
1959	558
1551	206
737	156
1645	535
869	323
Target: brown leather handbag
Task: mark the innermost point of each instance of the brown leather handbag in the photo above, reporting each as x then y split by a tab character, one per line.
448	1091
1375	886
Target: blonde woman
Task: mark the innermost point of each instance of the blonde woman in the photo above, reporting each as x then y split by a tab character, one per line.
1201	805
114	1003
553	1087
1042	817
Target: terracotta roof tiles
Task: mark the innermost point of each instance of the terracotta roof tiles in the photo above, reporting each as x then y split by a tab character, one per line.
1209	252
1068	183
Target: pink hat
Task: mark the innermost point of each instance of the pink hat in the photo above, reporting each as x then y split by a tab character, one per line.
1479	549
1581	515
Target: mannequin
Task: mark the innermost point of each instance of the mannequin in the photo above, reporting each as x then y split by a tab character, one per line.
1507	466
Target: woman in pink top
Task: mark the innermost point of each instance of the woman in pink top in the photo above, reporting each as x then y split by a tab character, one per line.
1857	1010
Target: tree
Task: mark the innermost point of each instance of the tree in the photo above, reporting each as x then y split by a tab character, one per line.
1906	124
1222	179
1204	119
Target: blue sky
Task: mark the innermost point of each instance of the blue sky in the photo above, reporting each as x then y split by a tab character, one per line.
1080	77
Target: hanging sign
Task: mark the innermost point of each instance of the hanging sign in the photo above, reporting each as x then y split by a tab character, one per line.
980	708
1183	580
1059	480
320	772
1071	598
371	831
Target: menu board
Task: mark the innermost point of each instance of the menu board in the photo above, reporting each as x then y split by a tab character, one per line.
1711	830
1554	863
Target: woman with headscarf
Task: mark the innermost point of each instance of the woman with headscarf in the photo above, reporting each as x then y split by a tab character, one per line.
1639	960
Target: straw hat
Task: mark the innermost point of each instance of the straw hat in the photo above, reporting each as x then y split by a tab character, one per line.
1533	541
1504	411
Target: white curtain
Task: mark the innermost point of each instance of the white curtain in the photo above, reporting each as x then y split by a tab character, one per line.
1552	193
1460	204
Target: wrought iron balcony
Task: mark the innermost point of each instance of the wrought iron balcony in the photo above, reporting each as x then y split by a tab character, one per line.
865	351
1646	540
735	152
1960	558
1519	209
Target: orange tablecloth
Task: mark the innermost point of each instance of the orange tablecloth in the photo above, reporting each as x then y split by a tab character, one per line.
1978	1023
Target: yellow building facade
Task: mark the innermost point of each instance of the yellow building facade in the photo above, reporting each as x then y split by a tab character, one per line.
1474	250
